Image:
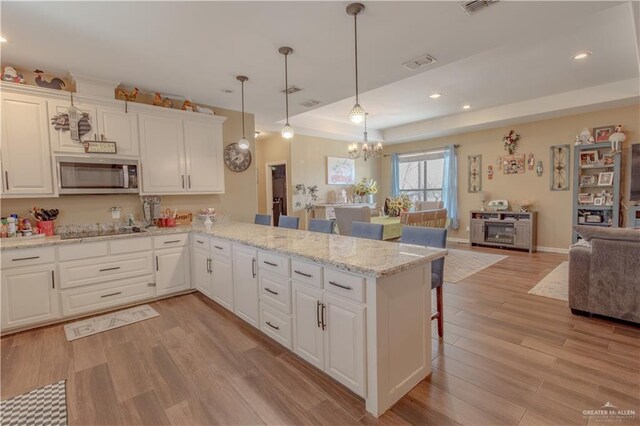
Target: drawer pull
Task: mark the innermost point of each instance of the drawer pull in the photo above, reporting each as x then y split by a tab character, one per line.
199	242
111	294
304	274
275	327
25	258
110	269
172	241
346	287
219	248
269	263
271	291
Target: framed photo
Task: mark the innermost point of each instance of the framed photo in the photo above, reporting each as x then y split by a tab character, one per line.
512	164
598	201
587	180
589	158
605	179
585	198
341	171
601	134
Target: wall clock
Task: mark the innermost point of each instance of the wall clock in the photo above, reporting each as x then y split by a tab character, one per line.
475	173
237	159
560	167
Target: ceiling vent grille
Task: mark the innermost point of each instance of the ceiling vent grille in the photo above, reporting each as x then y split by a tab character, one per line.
472	7
291	90
419	62
310	103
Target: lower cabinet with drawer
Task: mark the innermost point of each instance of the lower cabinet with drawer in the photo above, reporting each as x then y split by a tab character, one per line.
276	325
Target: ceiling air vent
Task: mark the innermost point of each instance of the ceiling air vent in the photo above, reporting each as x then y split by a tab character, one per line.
291	90
475	6
419	62
310	103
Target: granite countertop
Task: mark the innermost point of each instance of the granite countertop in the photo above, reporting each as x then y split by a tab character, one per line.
372	258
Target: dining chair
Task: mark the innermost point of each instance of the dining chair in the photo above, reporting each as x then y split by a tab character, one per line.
430	237
290	222
321	225
262	219
346	215
371	231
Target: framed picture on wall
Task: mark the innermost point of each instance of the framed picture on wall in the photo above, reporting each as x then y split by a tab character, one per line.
601	134
512	164
341	171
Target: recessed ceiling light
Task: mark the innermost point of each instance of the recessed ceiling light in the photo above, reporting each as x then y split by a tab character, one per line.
582	55
3	40
466	106
435	95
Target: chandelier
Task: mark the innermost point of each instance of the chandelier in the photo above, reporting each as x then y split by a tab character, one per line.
364	150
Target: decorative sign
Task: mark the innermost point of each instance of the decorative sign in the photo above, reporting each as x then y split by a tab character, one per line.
184	218
340	171
100	147
475	173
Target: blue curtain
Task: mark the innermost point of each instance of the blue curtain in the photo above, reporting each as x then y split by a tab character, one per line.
395	174
450	186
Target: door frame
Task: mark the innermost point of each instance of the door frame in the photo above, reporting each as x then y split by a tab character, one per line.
269	182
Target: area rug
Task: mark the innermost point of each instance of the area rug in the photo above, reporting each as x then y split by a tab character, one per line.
555	285
77	330
460	264
43	406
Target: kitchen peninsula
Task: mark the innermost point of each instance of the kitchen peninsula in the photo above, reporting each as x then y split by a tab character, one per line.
357	309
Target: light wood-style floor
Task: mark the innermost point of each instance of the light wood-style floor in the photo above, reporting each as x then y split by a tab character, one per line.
507	358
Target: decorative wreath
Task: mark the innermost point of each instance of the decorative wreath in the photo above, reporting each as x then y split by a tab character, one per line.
60	122
510	141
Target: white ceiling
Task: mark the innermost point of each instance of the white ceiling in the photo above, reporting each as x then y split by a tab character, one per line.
511	52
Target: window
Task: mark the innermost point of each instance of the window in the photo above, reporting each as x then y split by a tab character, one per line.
421	174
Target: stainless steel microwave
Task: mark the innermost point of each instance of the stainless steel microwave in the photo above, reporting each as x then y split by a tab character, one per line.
97	175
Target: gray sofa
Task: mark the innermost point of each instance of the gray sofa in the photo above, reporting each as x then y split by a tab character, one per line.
604	273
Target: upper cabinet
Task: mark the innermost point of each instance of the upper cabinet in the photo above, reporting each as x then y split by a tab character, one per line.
26	158
114	124
61	141
181	156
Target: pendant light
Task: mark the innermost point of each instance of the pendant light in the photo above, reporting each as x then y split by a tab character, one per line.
243	143
287	130
357	112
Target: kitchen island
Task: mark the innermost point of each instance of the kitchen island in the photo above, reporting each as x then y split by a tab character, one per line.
357	309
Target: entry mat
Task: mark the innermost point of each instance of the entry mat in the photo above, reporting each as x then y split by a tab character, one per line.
40	407
88	327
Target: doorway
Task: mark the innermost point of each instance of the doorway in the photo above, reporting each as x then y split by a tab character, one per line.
277	184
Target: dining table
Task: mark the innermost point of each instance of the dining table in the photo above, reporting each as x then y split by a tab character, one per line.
392	228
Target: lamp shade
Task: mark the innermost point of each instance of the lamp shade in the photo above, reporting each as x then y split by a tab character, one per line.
243	143
287	131
357	114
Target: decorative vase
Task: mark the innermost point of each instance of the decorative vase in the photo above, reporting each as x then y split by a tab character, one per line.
369	198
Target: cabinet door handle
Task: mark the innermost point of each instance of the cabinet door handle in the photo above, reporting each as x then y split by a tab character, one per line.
17	259
111	294
324	310
182	181
110	269
171	242
275	327
346	287
189	179
318	305
210	266
304	274
269	263
53	279
157	264
253	267
218	247
6	179
271	291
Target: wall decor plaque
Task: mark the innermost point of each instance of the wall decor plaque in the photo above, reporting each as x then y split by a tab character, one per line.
475	173
100	147
560	167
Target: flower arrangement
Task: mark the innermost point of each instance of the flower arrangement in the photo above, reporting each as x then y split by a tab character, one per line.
510	141
363	187
395	205
309	194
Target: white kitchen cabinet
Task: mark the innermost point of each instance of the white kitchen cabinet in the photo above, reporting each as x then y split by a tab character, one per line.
120	127
28	295
203	148
162	154
344	342
172	270
61	141
245	280
222	283
308	336
201	271
26	157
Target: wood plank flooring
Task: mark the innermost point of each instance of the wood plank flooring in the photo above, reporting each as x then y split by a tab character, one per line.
506	358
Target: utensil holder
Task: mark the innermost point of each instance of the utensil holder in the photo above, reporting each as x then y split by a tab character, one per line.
46	227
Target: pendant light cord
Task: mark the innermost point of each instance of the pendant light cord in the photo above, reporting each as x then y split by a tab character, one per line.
355	27
242	90
286	87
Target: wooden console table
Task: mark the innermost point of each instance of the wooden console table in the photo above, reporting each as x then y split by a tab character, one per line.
504	229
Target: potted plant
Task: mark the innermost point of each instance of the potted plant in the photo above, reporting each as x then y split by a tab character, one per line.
366	189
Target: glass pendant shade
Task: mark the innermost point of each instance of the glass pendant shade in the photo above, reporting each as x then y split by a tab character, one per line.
357	114
243	143
287	131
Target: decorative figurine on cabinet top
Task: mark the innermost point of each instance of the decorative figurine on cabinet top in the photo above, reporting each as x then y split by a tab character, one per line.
10	74
55	83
